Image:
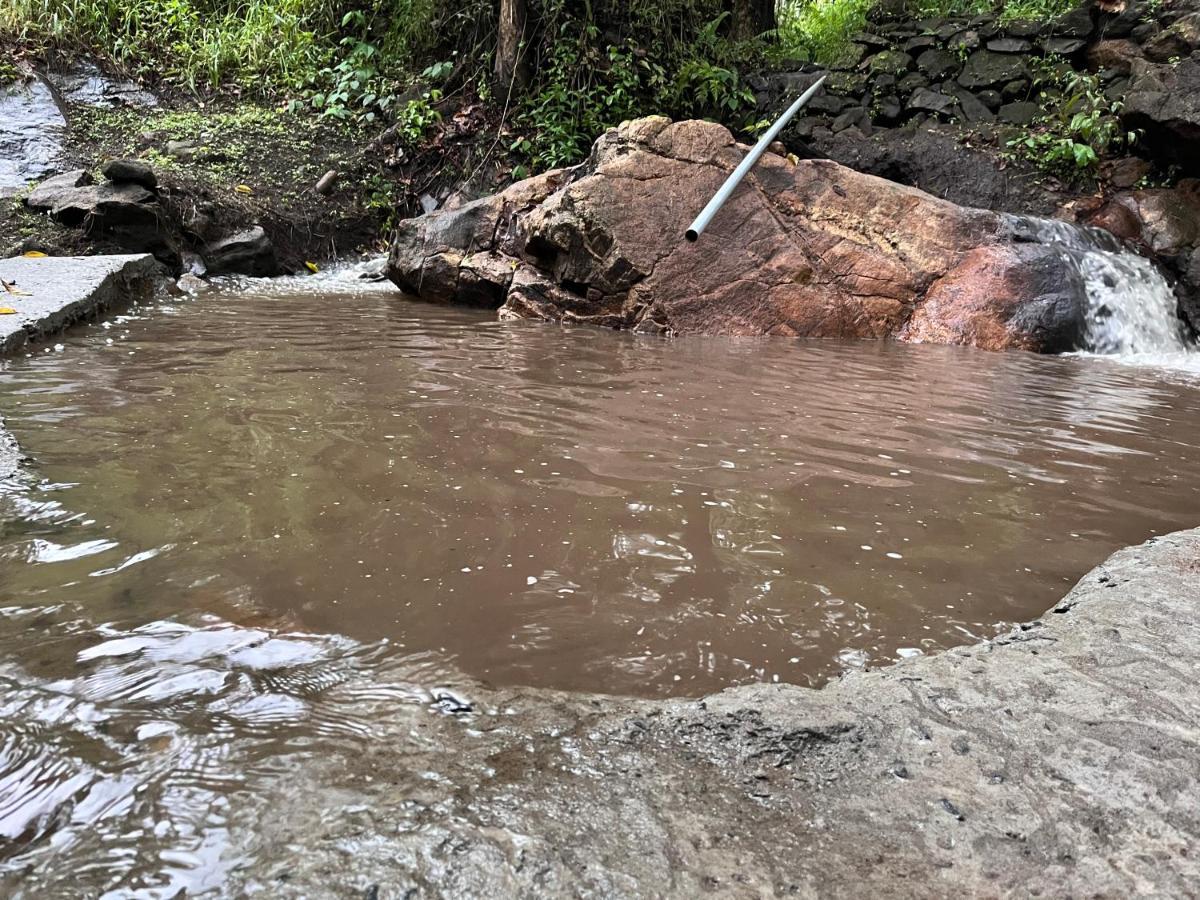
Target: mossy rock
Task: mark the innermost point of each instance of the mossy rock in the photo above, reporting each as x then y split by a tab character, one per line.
892	62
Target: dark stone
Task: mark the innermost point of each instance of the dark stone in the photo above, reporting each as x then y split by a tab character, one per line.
1176	42
925	100
884	82
854	117
1143	32
889	111
991	99
973	109
248	252
938	63
920	42
1126	172
1077	23
1010	45
986	69
1016	90
133	171
830	104
1164	103
892	61
964	40
911	82
1020	113
871	40
1116	54
1122	24
1117	90
847	84
54	190
948	30
1063	46
1024	29
850	56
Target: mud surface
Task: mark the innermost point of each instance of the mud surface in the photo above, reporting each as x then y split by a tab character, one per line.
1058	760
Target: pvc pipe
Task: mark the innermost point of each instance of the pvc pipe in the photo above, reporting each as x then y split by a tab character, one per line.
735	178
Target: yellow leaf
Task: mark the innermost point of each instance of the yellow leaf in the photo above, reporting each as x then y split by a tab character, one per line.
7	311
34	254
312	266
243	189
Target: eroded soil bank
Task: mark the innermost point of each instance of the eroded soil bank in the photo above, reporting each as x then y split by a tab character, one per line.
1057	760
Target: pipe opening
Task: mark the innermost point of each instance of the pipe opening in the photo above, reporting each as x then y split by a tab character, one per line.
691	234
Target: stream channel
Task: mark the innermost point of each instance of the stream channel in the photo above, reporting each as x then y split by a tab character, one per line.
260	519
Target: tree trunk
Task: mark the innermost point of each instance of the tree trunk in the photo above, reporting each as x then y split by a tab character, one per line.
750	18
510	68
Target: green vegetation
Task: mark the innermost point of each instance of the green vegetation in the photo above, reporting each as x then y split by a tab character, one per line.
1083	124
579	68
822	29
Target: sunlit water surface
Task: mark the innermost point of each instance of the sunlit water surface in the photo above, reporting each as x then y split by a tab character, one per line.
273	521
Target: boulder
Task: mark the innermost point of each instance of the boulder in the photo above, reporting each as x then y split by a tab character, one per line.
248	252
127	214
133	171
808	248
1164	104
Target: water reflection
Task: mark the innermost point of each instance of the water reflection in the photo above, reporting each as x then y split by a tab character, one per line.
579	509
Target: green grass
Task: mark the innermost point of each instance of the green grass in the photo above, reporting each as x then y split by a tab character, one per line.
193	42
822	28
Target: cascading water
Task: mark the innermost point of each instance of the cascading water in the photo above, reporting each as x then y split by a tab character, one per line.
1132	314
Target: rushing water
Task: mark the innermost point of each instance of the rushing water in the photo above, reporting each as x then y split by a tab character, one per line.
270	522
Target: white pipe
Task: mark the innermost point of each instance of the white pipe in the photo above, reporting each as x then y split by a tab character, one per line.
735	178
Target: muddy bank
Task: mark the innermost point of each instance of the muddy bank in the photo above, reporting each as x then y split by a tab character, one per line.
1059	759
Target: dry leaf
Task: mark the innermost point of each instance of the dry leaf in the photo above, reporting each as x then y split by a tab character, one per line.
34	254
7	311
11	287
244	189
312	266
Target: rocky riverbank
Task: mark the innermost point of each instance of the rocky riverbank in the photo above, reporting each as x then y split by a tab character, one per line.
1056	760
97	164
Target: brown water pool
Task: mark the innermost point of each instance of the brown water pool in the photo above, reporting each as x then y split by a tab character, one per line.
271	525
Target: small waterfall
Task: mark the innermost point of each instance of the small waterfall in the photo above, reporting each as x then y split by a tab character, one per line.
1132	312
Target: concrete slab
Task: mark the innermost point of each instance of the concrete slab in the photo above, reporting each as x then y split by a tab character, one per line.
53	292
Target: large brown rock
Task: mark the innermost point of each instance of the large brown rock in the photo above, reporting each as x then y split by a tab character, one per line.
810	249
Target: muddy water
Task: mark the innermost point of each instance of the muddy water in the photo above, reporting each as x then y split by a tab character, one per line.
269	523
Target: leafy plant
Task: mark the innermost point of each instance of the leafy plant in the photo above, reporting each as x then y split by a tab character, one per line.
1083	126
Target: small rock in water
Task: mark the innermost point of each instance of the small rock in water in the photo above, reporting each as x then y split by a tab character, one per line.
450	704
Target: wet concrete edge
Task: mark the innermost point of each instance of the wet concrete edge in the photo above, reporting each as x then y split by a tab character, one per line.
53	293
1060	759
